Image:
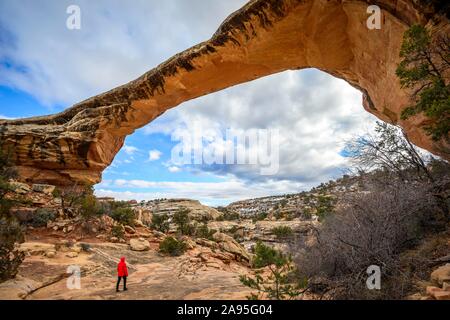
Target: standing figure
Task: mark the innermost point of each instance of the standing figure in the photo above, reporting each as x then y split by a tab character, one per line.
122	272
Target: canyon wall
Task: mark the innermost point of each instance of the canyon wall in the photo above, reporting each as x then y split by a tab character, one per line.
262	38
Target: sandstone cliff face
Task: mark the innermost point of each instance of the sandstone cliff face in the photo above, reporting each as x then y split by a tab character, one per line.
262	38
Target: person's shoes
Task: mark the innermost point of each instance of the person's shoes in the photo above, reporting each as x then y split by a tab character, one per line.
125	289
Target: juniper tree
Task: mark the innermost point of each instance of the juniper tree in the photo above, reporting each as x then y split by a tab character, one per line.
280	283
424	69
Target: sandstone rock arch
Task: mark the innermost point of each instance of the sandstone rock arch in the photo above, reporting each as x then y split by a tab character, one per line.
262	38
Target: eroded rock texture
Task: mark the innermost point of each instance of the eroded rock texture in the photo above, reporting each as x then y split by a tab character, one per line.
262	38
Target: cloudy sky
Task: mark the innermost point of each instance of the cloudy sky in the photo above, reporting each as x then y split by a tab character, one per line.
45	67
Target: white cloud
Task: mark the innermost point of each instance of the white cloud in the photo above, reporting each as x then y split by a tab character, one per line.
174	169
130	150
314	112
154	155
117	42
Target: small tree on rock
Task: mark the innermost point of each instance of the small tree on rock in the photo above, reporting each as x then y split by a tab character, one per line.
280	283
424	69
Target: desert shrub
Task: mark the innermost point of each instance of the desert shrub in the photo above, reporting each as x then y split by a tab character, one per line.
306	213
370	228
204	232
123	215
160	222
227	215
109	206
279	282
117	231
325	206
233	231
42	216
11	232
10	257
282	232
86	247
283	203
260	216
183	222
72	197
172	246
278	215
89	207
188	229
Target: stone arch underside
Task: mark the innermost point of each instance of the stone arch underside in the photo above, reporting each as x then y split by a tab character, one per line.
262	38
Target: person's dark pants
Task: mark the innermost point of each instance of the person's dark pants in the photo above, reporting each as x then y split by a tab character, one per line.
124	283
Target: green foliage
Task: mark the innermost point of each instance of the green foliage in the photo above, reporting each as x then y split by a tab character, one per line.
42	216
307	213
172	246
10	257
11	232
266	256
227	215
422	68
260	216
204	232
86	247
279	284
117	231
160	222
123	215
283	232
89	207
182	220
325	206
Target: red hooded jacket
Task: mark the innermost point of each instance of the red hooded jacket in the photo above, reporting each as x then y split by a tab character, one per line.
122	270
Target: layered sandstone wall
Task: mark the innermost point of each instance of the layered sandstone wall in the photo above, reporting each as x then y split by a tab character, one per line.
262	38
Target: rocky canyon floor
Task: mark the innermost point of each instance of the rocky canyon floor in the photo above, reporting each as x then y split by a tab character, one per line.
194	275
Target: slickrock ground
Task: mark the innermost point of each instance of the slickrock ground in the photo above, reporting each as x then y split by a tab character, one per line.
195	275
262	38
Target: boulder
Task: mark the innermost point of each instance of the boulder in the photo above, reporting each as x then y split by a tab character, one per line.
36	248
139	244
222	237
71	254
138	223
441	274
129	229
230	245
20	188
206	243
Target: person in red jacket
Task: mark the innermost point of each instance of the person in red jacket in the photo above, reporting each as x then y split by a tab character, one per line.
122	272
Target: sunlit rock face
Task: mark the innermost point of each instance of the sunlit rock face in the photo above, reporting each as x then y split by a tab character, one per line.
262	38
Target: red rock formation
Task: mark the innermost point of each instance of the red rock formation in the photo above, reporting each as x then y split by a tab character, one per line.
262	38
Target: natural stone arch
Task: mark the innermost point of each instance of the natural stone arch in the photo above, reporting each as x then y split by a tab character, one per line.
262	38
